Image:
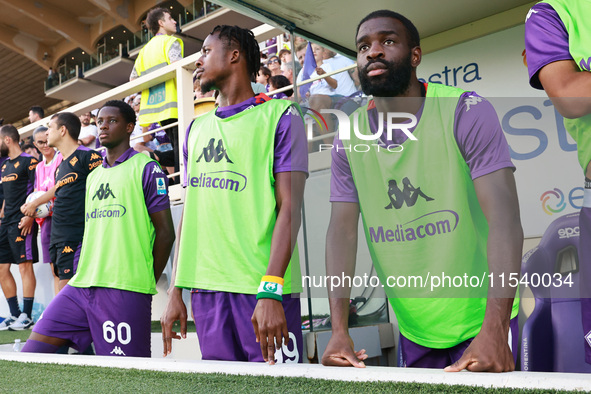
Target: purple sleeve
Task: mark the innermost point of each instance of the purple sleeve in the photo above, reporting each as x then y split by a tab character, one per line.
186	154
32	174
291	146
342	186
546	40
480	137
155	192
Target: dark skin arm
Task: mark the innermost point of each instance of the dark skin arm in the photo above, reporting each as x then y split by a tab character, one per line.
341	252
569	89
268	319
164	231
175	307
489	351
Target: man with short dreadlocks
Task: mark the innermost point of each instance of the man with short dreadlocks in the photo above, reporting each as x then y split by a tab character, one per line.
245	168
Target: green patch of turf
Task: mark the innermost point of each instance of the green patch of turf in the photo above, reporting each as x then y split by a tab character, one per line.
34	377
10	336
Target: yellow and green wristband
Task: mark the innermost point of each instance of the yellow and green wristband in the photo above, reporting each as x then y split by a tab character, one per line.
271	287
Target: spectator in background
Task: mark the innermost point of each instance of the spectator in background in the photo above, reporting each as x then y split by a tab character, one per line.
36	113
287	71
45	181
274	64
263	77
159	103
271	44
134	103
31	150
346	85
88	132
301	55
285	56
278	82
326	86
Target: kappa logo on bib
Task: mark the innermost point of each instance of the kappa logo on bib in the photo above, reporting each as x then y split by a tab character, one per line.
409	194
104	192
216	153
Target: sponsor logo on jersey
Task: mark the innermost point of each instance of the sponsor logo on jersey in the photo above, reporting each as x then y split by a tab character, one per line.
67	249
95	164
223	180
160	187
430	225
216	153
10	178
73	161
409	194
67	179
33	165
107	211
104	192
117	351
3	167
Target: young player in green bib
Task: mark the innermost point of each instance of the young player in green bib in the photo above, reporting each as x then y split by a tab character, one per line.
444	203
127	241
246	164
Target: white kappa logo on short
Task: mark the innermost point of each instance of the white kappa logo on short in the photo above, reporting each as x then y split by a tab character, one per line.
117	351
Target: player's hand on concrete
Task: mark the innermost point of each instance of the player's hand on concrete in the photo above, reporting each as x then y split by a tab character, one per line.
340	352
488	352
175	310
270	327
29	209
26	224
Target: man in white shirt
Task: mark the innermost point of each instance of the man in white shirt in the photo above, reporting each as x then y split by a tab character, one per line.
88	132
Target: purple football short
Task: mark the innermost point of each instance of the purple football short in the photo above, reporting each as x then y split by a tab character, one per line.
585	276
225	331
118	322
412	355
